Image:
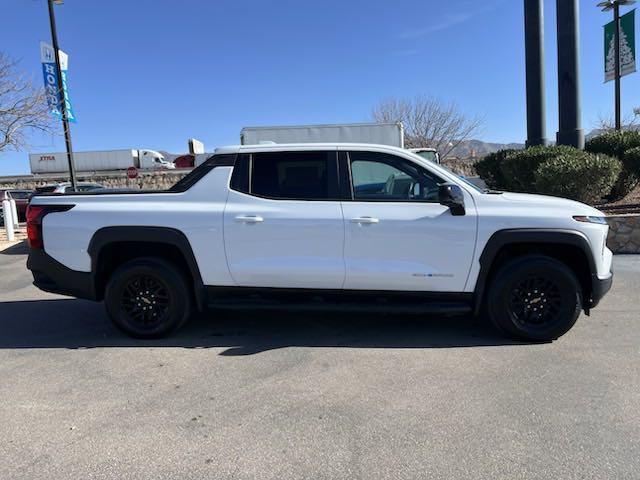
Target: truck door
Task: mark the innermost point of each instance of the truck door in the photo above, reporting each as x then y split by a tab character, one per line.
283	224
397	235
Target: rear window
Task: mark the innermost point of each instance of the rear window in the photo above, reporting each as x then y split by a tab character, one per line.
19	194
47	189
87	188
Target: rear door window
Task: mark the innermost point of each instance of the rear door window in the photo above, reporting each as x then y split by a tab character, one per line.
294	175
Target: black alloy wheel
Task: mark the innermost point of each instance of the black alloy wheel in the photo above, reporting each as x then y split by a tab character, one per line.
535	301
148	298
534	298
145	299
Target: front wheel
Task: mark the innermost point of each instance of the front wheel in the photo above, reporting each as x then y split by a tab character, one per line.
148	298
534	297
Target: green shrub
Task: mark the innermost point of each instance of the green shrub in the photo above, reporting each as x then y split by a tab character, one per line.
614	143
489	169
617	144
630	175
518	169
631	160
580	176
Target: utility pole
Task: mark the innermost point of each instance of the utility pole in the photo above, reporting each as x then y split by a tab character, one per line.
534	59
615	6
616	19
65	121
570	123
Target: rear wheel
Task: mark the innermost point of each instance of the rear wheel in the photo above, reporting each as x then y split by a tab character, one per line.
148	298
534	297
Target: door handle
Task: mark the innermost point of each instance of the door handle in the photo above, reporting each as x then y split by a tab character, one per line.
365	220
249	218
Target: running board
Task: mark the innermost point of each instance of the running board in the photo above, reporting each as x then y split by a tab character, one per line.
426	308
340	301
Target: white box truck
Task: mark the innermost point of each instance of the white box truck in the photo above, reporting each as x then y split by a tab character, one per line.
391	134
99	161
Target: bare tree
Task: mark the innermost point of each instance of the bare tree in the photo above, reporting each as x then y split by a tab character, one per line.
23	108
629	122
429	122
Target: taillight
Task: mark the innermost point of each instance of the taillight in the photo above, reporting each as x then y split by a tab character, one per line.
35	214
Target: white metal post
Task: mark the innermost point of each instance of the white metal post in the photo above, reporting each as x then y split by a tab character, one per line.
14	213
8	218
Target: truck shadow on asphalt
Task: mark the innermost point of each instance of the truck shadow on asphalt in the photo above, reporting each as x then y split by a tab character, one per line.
20	248
77	324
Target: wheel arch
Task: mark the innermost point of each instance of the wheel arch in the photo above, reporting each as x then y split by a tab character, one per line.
111	246
568	246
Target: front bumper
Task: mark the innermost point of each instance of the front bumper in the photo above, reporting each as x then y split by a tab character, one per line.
599	288
54	277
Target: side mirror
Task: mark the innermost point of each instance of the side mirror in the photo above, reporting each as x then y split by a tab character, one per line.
451	196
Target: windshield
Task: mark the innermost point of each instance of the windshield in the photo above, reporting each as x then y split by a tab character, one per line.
463	179
429	155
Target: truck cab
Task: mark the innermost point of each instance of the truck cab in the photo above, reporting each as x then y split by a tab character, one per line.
152	159
430	154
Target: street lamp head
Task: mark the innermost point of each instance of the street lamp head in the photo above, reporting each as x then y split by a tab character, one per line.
610	4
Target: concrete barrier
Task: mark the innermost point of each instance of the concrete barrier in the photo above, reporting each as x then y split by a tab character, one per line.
154	180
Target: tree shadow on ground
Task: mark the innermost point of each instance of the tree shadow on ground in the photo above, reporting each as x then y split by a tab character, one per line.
70	323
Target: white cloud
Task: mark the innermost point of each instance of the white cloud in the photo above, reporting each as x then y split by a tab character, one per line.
465	12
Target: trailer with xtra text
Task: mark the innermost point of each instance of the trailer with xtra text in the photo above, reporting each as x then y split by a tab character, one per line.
97	161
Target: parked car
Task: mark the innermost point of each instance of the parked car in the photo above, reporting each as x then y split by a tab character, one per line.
346	226
22	200
185	161
116	190
66	188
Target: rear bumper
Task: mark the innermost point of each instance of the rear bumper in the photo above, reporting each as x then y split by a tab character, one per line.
52	276
599	288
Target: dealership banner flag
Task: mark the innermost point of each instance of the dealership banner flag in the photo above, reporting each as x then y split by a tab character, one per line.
51	81
627	47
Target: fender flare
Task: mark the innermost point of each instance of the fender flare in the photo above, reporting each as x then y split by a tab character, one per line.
502	238
143	234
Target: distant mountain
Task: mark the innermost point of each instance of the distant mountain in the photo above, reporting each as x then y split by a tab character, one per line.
478	148
599	131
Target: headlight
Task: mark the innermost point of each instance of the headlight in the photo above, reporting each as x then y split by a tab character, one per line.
590	219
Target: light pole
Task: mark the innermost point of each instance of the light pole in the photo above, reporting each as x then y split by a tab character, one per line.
65	121
534	59
615	6
569	108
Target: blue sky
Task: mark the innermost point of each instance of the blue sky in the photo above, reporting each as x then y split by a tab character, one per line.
152	73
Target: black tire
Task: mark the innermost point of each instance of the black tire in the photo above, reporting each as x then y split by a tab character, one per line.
534	298
164	309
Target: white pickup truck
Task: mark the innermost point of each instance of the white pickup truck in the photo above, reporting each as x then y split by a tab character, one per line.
323	226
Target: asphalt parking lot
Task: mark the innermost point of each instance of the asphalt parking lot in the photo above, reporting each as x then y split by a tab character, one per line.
300	395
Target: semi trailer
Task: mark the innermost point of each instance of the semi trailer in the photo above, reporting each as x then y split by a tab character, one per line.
391	134
96	161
